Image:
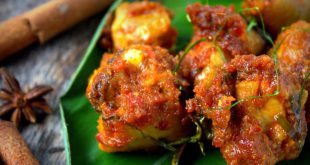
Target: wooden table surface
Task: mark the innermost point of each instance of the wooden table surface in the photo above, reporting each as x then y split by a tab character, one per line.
52	63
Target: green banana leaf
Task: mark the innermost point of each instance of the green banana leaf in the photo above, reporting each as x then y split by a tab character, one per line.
79	120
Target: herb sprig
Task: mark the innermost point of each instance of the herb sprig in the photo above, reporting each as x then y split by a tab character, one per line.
177	67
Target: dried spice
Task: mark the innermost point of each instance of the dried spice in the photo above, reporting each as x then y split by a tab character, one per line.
20	102
13	148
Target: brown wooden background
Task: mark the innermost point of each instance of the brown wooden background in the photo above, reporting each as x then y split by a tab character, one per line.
52	64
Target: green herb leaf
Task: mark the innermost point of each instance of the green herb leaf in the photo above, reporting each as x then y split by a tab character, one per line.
265	34
251	25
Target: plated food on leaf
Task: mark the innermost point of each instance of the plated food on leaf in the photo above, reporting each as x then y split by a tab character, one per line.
233	87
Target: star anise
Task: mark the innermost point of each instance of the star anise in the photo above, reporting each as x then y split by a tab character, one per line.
19	102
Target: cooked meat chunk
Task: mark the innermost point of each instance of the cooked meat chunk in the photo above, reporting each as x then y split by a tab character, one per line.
279	13
293	50
137	94
207	101
268	122
276	117
226	36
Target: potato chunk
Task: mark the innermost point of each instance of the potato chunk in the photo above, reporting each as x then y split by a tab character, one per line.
142	23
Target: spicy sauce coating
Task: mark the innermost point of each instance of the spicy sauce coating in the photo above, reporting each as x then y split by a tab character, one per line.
267	125
142	23
273	125
206	101
138	92
226	36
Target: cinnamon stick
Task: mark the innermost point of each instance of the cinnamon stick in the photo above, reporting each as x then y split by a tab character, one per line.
44	22
16	34
13	149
